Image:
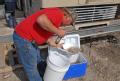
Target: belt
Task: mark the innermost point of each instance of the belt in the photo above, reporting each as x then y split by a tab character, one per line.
34	43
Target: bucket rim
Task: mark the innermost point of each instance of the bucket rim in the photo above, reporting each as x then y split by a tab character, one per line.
58	65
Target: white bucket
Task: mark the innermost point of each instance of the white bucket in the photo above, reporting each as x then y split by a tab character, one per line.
57	66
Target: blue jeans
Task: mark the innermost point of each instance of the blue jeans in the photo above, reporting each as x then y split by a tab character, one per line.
29	55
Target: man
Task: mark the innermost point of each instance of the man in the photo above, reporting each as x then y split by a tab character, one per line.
10	6
35	30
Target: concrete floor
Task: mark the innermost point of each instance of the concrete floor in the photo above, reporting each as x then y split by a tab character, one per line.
17	75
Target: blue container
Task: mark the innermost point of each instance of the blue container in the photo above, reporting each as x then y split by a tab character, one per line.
78	69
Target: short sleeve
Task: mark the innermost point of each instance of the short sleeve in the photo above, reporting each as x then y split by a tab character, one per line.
55	15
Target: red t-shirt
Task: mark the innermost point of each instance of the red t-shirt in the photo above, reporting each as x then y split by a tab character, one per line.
30	30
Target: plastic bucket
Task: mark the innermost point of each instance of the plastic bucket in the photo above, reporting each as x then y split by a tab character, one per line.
57	66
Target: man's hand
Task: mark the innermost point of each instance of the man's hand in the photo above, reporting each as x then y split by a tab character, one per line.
61	33
59	45
51	42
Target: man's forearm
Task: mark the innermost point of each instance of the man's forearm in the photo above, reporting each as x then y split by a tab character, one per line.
46	24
